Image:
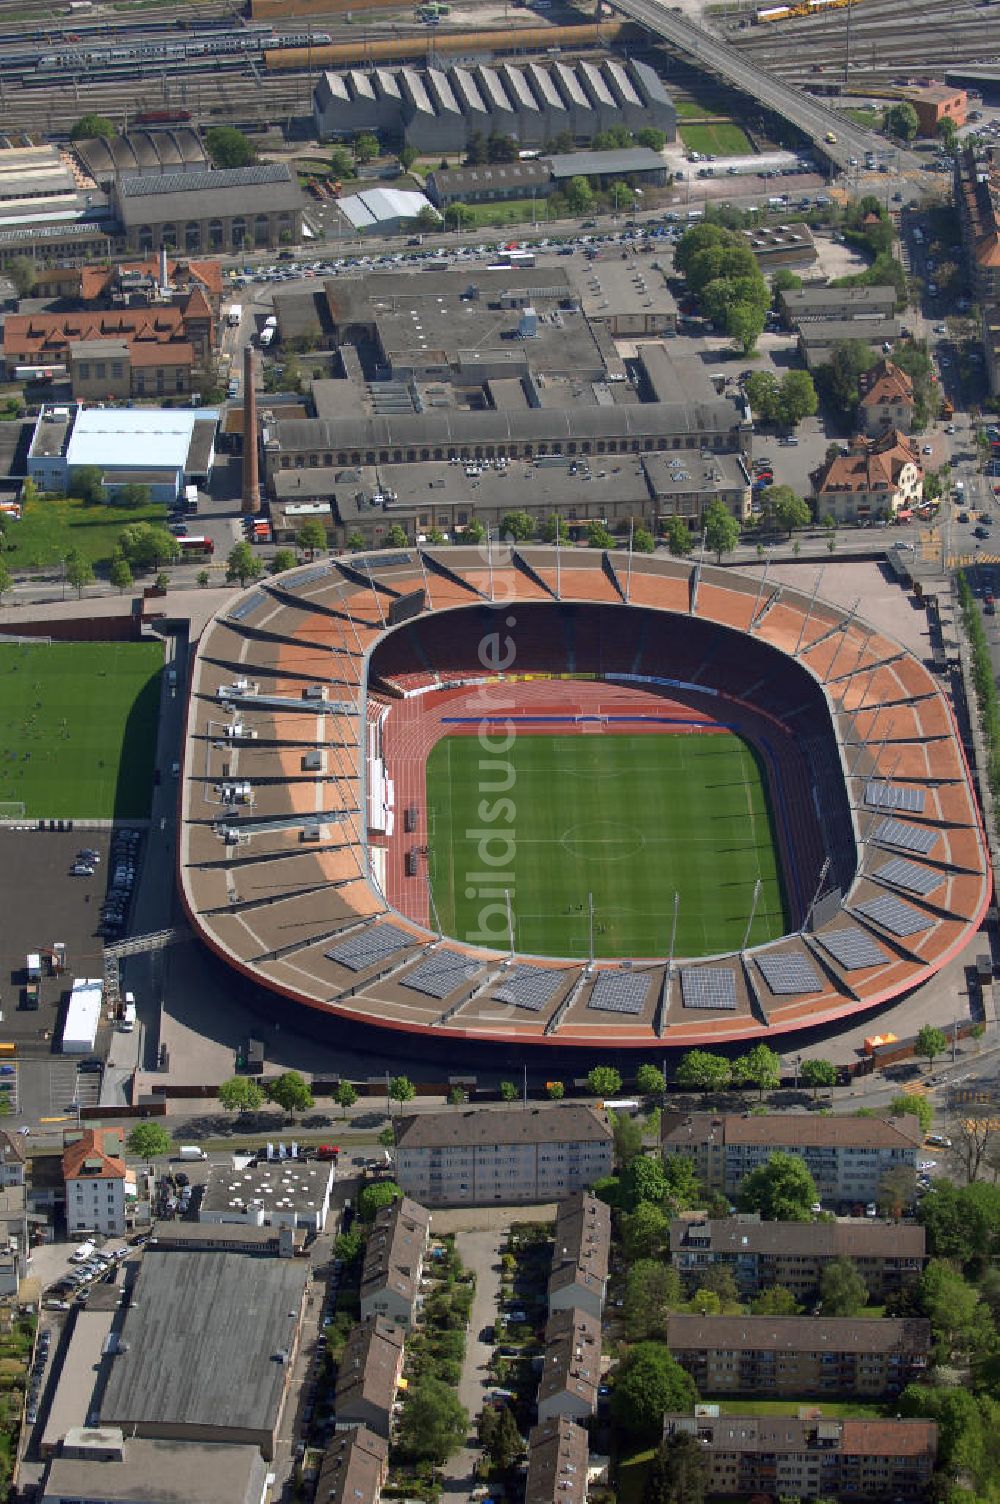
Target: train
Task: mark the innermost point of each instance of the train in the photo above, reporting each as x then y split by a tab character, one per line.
435	43
800	8
240	43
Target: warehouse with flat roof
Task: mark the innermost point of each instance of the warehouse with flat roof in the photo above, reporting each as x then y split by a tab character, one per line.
172	446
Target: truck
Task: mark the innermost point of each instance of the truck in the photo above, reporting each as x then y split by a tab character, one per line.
128	1018
190	498
235	315
328	1152
195	546
191	1151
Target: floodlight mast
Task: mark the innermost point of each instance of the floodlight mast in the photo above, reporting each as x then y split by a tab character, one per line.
757	890
628	577
760	591
510	920
673	937
806	618
821	884
590	923
433	905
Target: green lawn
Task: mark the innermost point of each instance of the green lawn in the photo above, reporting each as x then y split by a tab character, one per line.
78	727
870	119
54	526
630	819
510	211
725	140
630	1476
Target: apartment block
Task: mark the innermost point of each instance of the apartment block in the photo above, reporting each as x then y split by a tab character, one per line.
847	1157
97	1181
394	1261
354	1468
582	1249
512	1155
887	1255
807	1456
571	1371
558	1455
368	1376
865	1357
977	199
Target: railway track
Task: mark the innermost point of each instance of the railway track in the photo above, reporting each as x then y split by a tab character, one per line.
243	97
882	39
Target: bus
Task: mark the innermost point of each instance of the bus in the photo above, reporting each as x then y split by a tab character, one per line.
196	547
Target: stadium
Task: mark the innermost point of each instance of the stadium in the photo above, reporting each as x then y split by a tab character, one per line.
459	801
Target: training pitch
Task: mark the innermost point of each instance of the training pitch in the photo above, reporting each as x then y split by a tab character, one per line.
78	727
630	819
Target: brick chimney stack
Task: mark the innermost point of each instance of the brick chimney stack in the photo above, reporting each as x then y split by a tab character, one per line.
251	476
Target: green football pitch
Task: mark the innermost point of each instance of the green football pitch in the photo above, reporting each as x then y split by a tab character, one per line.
630	819
78	728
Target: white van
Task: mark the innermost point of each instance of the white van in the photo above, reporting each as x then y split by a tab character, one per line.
83	1253
128	1019
191	1151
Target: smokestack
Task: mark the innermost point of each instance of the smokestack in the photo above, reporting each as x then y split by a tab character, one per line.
163	266
251	477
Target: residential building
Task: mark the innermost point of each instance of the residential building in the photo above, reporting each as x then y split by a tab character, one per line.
276	1193
935	102
394	1261
14	1246
885	400
99	1466
97	1181
368	1375
235	209
512	1155
204	1349
12	1159
193	285
977	198
818	337
114	355
865	1357
581	1254
887	1255
800	304
571	1371
354	1468
809	1456
558	1454
847	1157
876	478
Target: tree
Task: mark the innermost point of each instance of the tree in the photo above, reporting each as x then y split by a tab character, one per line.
678	536
427	220
459	217
644	1231
781	1190
763	392
87	482
682	1181
407	156
761	1068
642	1180
699	1070
21	272
396	537
500	148
679	1473
79	572
474	532
241	1094
517	526
401	1089
90	126
842	1291
366	147
649	1080
784	280
897	1190
149	1141
311	537
650	137
817	1073
509	1091
604	1081
948	132
373	1198
797	398
291	1092
435	536
243	564
555	1091
475	152
120	573
342	163
643	541
134	496
745	325
552	527
648	1384
203	577
162	580
839	376
147	546
901	120
228	147
345	1096
930	1043
775	1301
433	1424
579	196
918	1107
627	1136
652	1291
722	531
720	1280
788	510
974	1145
284	558
950	1303
598	536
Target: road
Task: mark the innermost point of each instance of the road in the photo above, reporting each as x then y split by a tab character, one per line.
479	1251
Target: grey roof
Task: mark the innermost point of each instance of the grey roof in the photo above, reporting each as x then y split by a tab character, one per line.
466	91
268	186
485	1126
572	1361
412	87
360	84
491	88
569	86
441	92
798	299
369	1366
541	81
636	420
604	163
860	1238
648	82
202	1332
517	87
558	1451
830	331
619	82
492	175
793	1130
163	1472
394	1250
595	85
295	1186
810	1334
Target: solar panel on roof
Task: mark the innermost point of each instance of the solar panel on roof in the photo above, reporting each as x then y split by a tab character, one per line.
881	795
910	875
619	992
708	987
852	948
441	974
919	838
894	915
371	946
250	604
790	973
379	561
310	576
528	987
